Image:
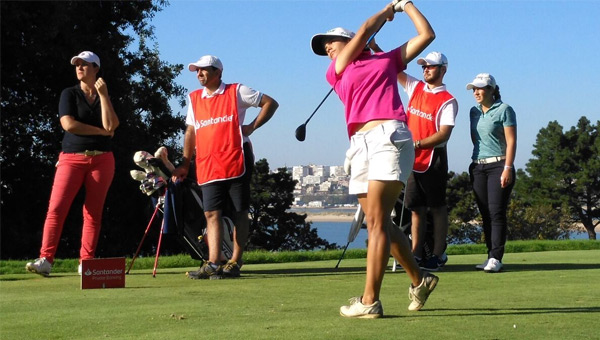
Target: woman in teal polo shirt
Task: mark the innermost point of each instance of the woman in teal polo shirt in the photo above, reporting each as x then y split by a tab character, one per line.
494	136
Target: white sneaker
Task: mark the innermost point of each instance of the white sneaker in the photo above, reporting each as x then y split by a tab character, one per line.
357	310
483	265
419	294
40	266
493	266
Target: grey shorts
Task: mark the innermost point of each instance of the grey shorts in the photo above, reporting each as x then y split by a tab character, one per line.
383	153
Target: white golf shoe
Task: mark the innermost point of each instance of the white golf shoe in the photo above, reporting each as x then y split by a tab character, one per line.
418	295
483	265
357	310
493	266
40	266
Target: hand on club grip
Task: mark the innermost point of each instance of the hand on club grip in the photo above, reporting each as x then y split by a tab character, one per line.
399	5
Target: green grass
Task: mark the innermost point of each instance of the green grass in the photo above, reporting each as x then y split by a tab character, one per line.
546	295
255	257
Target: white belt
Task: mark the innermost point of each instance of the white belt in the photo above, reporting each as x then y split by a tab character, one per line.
489	160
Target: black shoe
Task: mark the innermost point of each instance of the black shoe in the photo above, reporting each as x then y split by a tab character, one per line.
231	269
432	264
207	271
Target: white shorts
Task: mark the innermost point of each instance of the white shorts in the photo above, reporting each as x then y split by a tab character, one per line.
384	153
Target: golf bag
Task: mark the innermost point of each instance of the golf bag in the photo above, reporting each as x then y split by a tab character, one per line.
184	212
400	211
180	203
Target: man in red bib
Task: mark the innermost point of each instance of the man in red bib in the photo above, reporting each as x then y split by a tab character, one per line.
430	115
224	158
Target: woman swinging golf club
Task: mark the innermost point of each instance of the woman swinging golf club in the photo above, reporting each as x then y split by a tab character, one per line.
381	154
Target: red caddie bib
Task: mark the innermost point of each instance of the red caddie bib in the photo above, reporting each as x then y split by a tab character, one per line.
219	140
423	120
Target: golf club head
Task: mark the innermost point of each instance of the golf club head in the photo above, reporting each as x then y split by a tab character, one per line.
301	133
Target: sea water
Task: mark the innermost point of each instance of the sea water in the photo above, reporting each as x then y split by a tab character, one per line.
337	232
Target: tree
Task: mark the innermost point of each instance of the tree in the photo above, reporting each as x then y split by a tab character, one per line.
564	174
272	226
38	40
463	215
536	222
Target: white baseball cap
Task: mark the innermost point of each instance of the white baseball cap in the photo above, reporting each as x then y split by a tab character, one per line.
318	40
482	80
433	58
88	56
205	61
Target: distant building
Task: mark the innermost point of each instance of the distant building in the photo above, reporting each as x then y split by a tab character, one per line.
315	204
299	172
311	179
320	170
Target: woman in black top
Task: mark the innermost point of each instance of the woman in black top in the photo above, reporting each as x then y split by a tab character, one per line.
89	120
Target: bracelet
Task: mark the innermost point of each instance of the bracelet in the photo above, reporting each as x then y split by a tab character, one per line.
506	167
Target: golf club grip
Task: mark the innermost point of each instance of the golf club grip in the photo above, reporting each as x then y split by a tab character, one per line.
374	34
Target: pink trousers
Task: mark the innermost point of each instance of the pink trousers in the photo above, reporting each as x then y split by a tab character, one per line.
73	171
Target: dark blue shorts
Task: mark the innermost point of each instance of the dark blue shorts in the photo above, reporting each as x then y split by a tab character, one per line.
232	194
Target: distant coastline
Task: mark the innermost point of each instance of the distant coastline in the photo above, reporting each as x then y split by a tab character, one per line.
345	214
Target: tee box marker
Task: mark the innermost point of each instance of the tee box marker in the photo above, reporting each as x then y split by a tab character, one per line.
103	273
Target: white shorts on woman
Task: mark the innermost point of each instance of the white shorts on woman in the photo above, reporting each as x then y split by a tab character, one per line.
384	153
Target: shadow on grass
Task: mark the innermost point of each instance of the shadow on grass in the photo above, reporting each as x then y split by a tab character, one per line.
506	311
20	277
306	271
512	267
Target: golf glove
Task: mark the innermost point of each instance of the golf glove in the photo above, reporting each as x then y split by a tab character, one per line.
399	5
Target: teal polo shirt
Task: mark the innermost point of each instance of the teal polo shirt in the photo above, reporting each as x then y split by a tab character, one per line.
487	130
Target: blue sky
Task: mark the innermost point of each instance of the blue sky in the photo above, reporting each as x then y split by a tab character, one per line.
545	56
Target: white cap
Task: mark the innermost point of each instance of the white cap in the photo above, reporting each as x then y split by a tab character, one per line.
318	40
482	80
433	58
205	61
88	56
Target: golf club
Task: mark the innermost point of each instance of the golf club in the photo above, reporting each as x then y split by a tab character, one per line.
357	223
301	130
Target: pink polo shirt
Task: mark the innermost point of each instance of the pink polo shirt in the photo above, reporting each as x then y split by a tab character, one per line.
368	87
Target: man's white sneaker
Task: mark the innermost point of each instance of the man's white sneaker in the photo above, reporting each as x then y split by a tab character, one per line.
40	266
357	310
419	294
483	265
493	266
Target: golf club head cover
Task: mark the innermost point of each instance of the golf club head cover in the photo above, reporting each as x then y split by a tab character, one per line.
143	160
138	175
163	155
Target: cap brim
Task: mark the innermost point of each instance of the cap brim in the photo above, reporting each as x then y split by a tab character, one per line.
423	61
476	84
193	67
74	59
317	44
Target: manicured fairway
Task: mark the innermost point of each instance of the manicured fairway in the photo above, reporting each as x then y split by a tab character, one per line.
542	295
